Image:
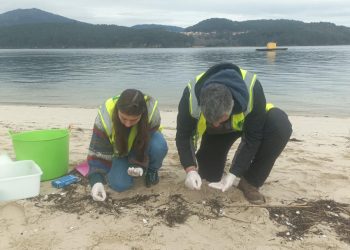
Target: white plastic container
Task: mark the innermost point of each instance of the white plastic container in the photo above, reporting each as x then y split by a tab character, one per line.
4	159
19	180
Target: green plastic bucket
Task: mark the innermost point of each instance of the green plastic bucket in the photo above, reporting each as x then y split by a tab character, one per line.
48	148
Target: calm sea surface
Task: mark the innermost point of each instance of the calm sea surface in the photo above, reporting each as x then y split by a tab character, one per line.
301	80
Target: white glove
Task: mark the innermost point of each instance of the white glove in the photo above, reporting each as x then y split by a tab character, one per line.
135	171
98	192
193	180
226	182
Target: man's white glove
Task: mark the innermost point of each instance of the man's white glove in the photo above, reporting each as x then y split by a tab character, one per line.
225	183
135	171
98	192
193	180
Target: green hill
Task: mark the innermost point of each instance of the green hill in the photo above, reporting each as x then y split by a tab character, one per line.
158	26
224	32
34	28
28	16
80	35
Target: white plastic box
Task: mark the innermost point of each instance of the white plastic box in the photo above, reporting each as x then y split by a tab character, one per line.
19	180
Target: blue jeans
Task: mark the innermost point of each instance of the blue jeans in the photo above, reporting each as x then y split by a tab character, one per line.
118	178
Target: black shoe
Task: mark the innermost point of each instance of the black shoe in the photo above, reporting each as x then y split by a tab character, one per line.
151	177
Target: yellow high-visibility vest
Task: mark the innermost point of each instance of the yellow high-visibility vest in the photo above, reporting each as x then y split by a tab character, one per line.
106	112
237	120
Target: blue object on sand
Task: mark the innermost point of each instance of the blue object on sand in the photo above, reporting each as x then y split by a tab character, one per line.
64	181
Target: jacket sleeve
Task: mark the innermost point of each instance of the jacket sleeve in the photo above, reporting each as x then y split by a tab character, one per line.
100	153
252	133
185	129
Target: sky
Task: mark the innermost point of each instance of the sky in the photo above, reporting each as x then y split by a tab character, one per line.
185	13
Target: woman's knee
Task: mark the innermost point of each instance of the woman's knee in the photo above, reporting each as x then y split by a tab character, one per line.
118	178
158	145
121	186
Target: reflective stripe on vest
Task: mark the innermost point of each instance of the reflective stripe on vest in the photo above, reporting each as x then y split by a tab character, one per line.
195	110
106	113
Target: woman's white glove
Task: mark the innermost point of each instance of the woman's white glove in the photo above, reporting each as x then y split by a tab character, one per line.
193	180
225	183
98	192
135	171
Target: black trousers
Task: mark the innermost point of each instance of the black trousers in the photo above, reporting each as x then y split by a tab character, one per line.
212	154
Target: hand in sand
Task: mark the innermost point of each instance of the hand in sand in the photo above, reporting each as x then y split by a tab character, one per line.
193	180
225	183
98	192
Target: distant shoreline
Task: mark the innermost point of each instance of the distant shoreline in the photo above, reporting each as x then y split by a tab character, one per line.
163	108
257	48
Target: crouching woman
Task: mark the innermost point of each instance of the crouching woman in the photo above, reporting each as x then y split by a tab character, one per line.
126	143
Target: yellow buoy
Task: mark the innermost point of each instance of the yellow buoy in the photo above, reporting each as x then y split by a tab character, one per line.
271	45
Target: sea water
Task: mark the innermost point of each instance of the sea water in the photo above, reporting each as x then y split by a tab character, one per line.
300	80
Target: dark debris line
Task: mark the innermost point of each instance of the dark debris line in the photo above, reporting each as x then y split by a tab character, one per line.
176	210
69	200
300	219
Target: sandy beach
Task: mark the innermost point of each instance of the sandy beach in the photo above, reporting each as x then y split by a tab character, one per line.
309	185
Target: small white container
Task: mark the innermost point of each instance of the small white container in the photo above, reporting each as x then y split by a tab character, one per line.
4	159
19	180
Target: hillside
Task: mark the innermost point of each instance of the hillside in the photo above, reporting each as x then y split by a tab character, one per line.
158	26
224	32
30	16
80	35
34	28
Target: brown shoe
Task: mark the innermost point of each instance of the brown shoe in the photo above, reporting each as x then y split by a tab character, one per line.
251	193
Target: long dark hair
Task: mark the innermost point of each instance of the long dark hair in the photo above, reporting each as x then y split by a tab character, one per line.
131	102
